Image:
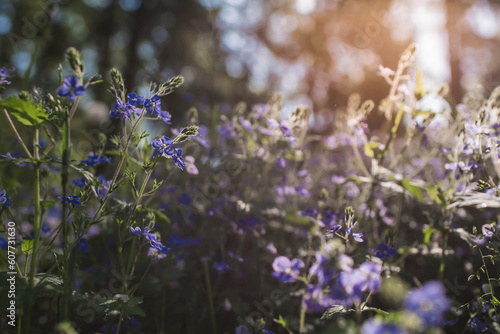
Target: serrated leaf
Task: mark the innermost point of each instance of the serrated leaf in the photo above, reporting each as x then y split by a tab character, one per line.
333	310
25	112
413	189
27	246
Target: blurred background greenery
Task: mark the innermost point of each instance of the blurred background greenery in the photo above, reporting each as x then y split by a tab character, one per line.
315	51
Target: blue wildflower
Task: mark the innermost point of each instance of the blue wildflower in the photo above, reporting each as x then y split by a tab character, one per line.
4	73
155	243
265	330
82	245
221	267
165	117
376	326
71	88
4	200
103	186
80	183
71	199
164	146
122	110
177	158
9	155
95	159
137	230
45	228
383	251
3	242
241	330
477	326
357	236
316	299
286	271
153	105
135	100
321	270
428	302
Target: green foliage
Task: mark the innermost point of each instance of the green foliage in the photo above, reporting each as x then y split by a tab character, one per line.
25	111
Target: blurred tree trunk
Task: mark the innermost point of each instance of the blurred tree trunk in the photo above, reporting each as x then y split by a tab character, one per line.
454	36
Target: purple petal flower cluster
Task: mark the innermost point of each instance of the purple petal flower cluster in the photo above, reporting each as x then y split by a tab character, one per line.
156	244
4	199
71	199
95	159
103	186
175	240
376	326
82	245
477	326
4	73
353	283
321	270
135	100
80	183
14	156
383	251
429	303
286	270
71	88
221	267
164	146
122	110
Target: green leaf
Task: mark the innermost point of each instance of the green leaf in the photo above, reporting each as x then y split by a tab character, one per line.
433	194
374	309
398	118
27	246
331	311
282	322
428	231
371	148
413	189
297	220
25	112
161	216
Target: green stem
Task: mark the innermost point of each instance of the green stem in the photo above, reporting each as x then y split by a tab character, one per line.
36	224
210	297
444	241
17	134
489	280
68	268
302	315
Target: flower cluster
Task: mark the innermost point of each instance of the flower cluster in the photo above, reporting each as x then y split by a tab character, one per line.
155	243
164	148
95	159
286	270
71	199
